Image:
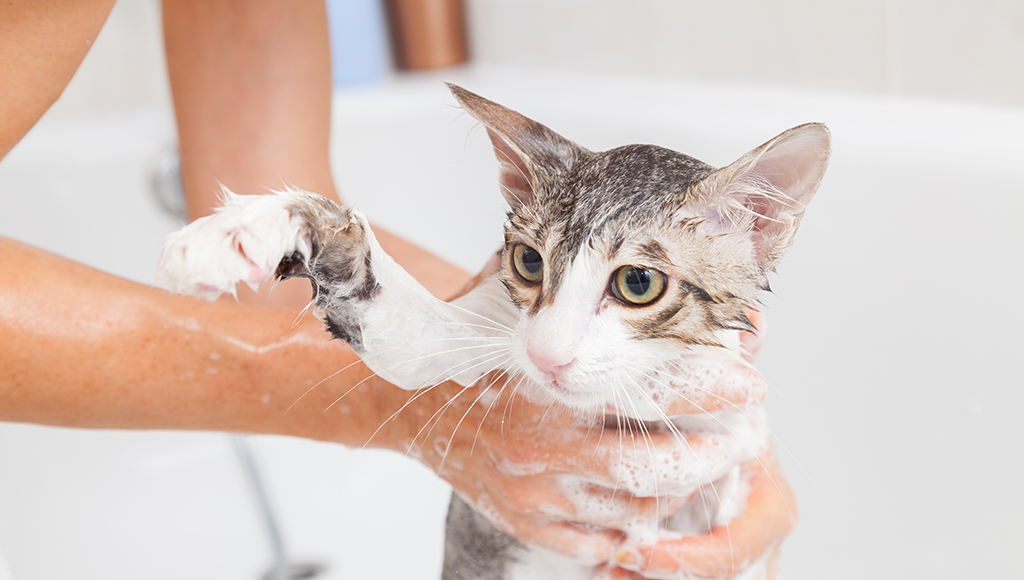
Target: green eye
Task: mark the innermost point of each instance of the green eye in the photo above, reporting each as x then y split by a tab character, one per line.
636	285
529	265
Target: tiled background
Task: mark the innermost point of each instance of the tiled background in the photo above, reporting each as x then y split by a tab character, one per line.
941	49
948	49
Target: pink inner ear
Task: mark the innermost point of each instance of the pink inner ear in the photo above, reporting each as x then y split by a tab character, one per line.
760	206
795	163
774	183
514	176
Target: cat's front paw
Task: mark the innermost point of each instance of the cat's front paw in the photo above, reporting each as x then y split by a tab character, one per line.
245	240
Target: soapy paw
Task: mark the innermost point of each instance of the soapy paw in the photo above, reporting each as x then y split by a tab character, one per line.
253	238
243	241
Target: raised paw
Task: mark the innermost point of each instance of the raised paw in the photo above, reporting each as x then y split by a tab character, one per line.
406	335
250	238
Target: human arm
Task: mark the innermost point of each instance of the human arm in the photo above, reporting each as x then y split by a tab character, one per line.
251	83
82	348
42	42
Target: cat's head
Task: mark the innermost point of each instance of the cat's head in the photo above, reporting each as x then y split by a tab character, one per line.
624	261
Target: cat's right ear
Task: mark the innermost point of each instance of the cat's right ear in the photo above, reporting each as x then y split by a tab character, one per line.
529	154
766	191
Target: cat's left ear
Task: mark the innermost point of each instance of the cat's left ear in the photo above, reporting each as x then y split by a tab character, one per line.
766	191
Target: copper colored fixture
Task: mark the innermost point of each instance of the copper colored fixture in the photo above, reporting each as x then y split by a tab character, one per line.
427	34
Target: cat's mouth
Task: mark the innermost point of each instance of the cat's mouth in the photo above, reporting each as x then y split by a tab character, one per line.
573	386
556	383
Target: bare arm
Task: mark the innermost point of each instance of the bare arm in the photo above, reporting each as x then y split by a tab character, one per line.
42	42
251	81
82	348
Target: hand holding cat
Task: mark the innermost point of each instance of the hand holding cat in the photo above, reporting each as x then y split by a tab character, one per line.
546	479
748	542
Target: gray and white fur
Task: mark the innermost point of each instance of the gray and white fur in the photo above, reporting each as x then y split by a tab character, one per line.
625	281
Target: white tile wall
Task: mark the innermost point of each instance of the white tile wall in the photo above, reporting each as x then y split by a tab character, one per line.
963	50
924	48
947	49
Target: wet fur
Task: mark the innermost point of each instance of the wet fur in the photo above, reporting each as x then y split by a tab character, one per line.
716	234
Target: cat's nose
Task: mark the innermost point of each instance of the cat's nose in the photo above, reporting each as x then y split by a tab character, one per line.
549	361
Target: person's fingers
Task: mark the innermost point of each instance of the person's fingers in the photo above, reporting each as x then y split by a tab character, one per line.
727	550
701	388
632	459
571	499
673	462
751	341
618	481
555	482
611	572
585	544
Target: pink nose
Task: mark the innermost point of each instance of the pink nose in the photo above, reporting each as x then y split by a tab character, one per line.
548	361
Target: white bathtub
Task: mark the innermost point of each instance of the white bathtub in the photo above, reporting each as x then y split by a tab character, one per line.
894	349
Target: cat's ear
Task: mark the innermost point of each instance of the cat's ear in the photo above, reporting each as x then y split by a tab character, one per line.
766	191
528	153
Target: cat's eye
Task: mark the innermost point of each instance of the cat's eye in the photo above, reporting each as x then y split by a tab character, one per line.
528	263
638	285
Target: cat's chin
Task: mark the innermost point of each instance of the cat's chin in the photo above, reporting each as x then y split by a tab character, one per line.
582	401
696	381
592	403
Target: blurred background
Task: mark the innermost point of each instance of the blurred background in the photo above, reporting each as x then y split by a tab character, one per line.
893	350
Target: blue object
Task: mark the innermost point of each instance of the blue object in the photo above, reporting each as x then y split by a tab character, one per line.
359	51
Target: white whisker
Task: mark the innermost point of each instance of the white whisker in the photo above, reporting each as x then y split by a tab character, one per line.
497	396
512	396
731	432
432	422
679	437
469	409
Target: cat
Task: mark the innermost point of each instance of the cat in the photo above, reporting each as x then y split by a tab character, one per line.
624	284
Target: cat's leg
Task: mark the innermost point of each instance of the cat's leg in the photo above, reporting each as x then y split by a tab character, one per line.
473	548
476	550
400	330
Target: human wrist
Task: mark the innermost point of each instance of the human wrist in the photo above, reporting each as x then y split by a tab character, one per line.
305	384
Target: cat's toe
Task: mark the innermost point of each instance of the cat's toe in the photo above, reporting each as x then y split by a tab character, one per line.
244	241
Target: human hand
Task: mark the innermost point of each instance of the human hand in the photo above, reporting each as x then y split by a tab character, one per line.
536	473
749	542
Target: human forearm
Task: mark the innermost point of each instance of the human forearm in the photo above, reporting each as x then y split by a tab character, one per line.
251	85
83	348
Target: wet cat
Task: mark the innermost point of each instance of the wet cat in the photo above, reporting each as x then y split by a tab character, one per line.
624	281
